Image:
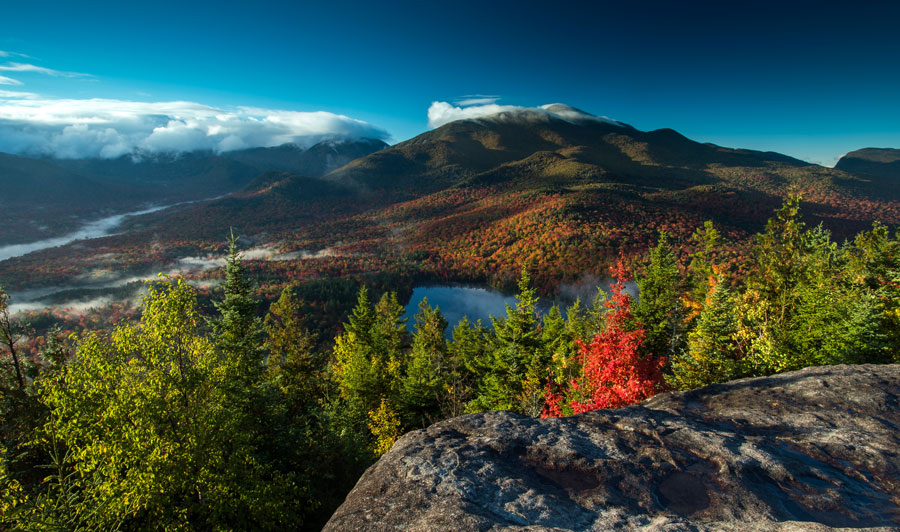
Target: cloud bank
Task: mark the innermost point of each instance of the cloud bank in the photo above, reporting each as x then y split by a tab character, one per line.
440	113
107	128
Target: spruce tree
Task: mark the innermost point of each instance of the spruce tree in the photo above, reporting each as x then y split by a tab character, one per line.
707	254
293	365
659	309
466	353
237	329
515	347
712	355
423	381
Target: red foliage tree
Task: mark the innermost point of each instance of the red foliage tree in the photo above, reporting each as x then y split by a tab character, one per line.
614	373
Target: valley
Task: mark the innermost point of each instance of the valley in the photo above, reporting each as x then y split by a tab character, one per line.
449	266
469	202
541	261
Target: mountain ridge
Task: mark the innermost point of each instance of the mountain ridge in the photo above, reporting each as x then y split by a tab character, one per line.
473	200
69	191
880	164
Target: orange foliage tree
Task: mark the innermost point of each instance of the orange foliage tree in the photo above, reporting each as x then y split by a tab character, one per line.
614	373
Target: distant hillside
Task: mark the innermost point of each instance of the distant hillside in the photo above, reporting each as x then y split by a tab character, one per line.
474	199
47	197
40	198
543	146
175	176
314	161
25	179
882	163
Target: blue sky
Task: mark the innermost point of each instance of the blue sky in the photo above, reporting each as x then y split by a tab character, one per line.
808	80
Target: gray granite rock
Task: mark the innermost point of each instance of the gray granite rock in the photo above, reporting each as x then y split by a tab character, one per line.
815	449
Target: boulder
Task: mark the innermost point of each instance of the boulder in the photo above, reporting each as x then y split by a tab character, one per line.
815	449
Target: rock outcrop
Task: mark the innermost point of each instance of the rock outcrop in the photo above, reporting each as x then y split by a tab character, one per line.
815	449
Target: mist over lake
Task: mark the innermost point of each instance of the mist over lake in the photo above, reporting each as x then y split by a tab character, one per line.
456	302
479	303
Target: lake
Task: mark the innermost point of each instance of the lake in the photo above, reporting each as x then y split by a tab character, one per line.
482	303
458	301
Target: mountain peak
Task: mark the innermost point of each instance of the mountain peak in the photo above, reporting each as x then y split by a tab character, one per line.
873	162
572	114
441	113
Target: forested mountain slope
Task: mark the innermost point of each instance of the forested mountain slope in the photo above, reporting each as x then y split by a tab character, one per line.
48	197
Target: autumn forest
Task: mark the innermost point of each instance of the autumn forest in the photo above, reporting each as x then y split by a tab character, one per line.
236	361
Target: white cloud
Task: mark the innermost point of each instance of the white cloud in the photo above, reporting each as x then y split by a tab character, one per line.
7	53
476	99
9	81
26	67
69	128
17	94
440	113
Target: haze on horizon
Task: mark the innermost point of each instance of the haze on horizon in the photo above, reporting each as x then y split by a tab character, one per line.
83	80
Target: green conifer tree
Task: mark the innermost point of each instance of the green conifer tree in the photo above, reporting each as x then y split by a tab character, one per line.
659	309
423	381
293	364
466	352
515	348
712	353
237	329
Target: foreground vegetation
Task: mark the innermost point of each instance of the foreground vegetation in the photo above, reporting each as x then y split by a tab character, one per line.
235	420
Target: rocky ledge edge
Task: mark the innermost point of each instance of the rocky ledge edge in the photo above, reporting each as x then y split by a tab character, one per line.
815	449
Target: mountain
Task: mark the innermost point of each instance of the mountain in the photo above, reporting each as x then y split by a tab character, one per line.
47	197
22	178
203	174
554	186
567	145
804	450
39	198
314	161
174	177
473	200
881	163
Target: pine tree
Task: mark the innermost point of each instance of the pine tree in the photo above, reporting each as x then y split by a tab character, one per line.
293	364
515	347
659	308
713	355
423	381
237	329
706	256
560	338
800	307
466	352
362	318
370	364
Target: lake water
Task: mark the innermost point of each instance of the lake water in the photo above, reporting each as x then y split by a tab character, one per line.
481	303
458	301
